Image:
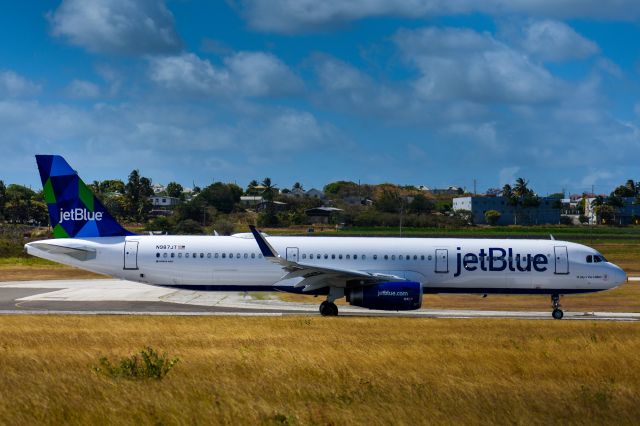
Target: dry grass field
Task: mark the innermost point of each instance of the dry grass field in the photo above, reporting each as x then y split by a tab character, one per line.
297	370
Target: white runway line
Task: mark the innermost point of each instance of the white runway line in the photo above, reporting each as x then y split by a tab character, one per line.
112	290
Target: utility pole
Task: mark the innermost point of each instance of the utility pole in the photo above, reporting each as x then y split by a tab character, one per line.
475	193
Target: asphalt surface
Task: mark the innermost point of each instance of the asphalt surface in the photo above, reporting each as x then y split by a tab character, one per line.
117	297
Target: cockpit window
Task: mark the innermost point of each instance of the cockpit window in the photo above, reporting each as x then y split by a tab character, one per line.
589	259
596	258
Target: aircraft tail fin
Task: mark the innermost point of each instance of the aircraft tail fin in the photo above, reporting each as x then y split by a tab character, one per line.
74	210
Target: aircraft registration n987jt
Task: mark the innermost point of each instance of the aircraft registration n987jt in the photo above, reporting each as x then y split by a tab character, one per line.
375	273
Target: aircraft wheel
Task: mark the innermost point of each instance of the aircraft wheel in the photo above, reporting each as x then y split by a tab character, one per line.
328	309
557	314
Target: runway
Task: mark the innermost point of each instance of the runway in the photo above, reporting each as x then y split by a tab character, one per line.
119	297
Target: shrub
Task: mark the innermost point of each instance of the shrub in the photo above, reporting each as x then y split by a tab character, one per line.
149	364
566	220
492	217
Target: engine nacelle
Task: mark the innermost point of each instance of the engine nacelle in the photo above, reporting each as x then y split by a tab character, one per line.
389	296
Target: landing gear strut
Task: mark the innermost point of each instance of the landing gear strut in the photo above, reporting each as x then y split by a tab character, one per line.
555	304
328	308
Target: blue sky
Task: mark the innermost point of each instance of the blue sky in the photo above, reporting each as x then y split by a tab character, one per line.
404	91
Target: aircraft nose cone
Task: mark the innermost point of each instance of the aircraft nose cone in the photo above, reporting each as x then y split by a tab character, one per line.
618	275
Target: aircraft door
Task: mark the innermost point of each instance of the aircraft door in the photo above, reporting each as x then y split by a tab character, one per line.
561	260
292	254
131	255
442	261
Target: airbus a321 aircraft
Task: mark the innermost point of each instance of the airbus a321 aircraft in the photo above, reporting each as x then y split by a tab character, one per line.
375	273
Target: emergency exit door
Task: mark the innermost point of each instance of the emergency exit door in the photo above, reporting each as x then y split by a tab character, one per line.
292	254
131	255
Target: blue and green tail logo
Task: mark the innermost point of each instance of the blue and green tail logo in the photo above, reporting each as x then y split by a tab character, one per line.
73	209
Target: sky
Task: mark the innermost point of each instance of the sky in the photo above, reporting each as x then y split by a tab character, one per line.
413	92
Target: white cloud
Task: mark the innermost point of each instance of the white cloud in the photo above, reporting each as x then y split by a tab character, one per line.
595	176
117	26
244	74
291	16
507	175
463	64
13	85
556	41
83	89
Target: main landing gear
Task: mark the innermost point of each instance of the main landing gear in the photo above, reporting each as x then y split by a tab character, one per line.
555	304
328	308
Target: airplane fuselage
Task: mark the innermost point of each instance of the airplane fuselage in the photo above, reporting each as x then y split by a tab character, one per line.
442	265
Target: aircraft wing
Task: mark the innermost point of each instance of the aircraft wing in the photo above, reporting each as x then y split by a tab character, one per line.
314	276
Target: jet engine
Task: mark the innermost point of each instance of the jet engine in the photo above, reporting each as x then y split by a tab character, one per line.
388	296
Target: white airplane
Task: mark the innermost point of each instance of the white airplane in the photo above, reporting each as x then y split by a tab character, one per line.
375	273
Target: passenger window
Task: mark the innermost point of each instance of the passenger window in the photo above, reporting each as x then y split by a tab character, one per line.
304	256
179	255
408	257
201	255
164	255
400	257
375	257
157	254
259	255
348	257
173	255
364	257
415	257
386	257
589	259
186	255
208	255
339	256
224	255
238	255
326	256
311	256
215	255
230	255
195	255
246	255
422	257
333	256
393	257
355	257
253	255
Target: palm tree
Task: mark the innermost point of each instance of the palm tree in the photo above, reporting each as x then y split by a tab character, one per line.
520	189
268	193
297	185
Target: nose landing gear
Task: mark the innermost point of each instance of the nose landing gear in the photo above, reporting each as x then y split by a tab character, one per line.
555	304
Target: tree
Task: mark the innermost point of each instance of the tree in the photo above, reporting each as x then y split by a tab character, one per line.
521	187
297	185
269	191
492	217
174	190
628	190
137	193
220	196
421	204
3	198
112	186
389	201
251	188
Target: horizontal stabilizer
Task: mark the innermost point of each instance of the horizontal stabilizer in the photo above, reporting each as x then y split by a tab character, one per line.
78	253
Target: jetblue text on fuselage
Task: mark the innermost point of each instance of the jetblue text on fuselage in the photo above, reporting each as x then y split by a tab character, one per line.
499	259
79	214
